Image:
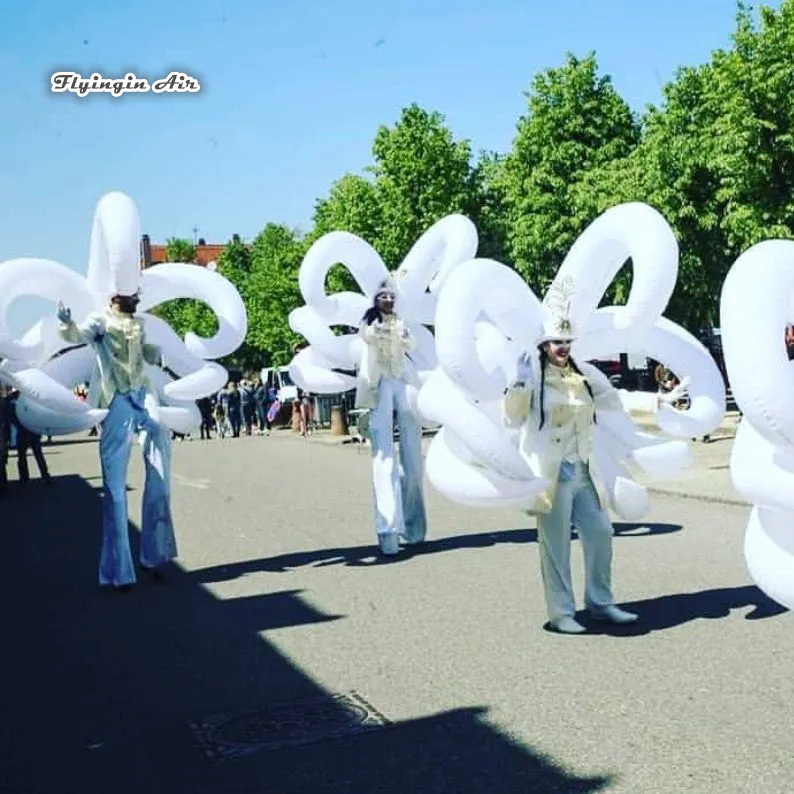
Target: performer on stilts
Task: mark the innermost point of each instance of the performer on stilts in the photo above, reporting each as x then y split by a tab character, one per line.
556	403
383	374
122	353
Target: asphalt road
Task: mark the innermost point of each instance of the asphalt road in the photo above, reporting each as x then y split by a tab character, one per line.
277	598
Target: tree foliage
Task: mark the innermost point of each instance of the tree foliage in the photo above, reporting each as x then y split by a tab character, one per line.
421	174
575	122
716	159
272	292
179	249
183	314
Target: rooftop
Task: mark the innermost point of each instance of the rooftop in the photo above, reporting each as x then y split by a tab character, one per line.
156	253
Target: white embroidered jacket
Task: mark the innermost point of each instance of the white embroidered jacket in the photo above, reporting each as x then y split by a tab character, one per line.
383	354
568	428
122	353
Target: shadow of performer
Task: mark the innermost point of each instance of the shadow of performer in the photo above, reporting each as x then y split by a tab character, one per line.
102	692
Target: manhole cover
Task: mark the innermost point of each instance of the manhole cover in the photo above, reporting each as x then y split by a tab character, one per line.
227	736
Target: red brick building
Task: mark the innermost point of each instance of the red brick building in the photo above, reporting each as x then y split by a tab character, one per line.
155	254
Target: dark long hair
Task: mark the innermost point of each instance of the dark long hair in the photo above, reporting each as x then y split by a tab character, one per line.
544	358
372	314
127	303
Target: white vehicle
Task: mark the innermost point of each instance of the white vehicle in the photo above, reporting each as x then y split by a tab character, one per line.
280	379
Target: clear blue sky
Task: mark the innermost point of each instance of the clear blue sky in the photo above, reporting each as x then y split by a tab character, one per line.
292	93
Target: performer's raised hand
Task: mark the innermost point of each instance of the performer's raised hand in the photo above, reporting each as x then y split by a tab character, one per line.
63	314
524	368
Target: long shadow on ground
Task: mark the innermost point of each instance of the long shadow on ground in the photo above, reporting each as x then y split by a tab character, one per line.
668	611
100	689
358	556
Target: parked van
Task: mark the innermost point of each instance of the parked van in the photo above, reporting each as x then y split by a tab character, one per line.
280	380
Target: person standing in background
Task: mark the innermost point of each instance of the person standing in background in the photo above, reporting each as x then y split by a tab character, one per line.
26	439
260	404
248	406
234	409
205	409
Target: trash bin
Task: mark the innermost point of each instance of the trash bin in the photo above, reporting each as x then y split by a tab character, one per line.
338	421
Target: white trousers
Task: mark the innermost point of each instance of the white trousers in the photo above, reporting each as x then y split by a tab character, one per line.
399	500
128	416
575	501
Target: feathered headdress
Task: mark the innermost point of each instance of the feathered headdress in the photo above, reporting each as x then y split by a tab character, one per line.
387	287
558	322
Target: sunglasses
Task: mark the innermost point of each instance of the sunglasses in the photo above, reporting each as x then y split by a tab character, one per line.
386	296
560	342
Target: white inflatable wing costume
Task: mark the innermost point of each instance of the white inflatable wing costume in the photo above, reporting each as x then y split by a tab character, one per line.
46	369
487	317
327	365
757	303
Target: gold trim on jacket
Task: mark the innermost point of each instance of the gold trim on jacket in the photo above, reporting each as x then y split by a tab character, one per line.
568	412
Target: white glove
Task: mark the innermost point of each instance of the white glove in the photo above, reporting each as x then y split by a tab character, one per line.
63	314
524	368
680	392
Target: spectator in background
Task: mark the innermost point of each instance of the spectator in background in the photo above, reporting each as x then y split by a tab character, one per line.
790	341
221	421
273	407
205	409
234	408
26	439
260	405
306	407
247	405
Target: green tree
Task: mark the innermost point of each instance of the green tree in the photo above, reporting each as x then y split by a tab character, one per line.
487	206
234	264
421	174
179	249
272	292
351	206
753	147
180	314
576	121
671	170
717	159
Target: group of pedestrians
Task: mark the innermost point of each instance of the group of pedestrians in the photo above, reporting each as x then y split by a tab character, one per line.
249	407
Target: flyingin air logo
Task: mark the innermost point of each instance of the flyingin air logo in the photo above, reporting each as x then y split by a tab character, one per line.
72	82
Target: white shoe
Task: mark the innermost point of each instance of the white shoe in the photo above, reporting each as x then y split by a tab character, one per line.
389	543
567	625
614	614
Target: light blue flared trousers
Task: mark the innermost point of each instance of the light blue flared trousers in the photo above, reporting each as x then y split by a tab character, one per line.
575	501
127	417
399	499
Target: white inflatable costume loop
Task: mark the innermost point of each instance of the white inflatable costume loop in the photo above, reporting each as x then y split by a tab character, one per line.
756	305
46	369
487	316
635	231
326	366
